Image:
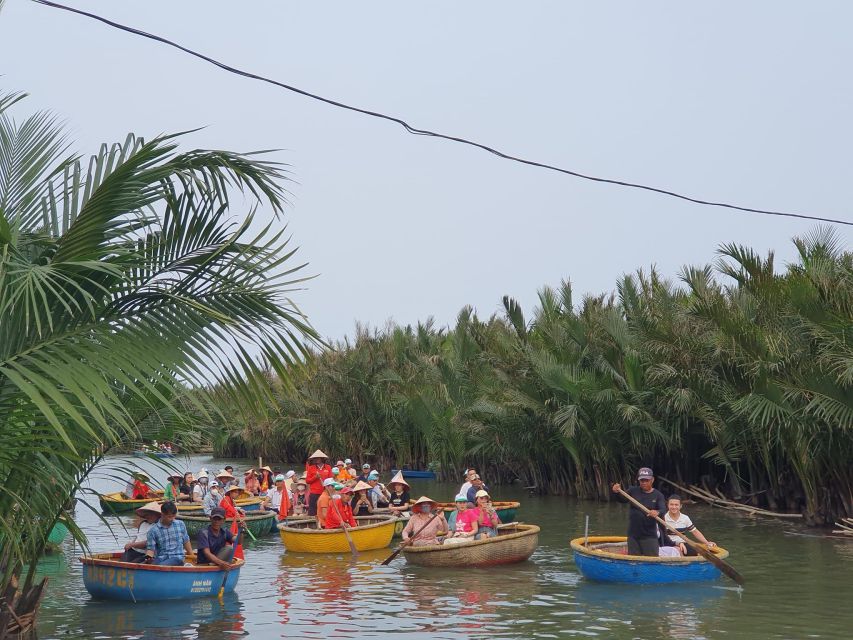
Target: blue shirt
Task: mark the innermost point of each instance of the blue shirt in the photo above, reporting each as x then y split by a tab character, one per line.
472	493
207	540
167	542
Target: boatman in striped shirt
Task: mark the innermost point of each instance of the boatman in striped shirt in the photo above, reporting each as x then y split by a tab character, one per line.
168	540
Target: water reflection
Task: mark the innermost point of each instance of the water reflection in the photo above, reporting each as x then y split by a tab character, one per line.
199	618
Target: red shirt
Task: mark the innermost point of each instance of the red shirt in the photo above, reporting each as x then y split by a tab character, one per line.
315	475
332	519
140	490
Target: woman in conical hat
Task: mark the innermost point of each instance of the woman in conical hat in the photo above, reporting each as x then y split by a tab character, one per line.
316	471
399	502
422	523
134	550
362	505
265	482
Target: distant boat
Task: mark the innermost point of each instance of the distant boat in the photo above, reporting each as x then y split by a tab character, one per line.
106	576
604	559
139	453
412	473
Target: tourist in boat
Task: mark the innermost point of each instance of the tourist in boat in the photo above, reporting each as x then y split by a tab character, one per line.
148	515
201	488
186	486
683	524
343	473
278	498
215	542
362	504
398	502
229	503
139	490
428	529
477	484
365	472
469	473
352	472
329	489
379	494
229	471
213	498
290	481
300	497
487	517
316	471
173	488
464	522
225	479
643	529
167	542
461	500
265	481
339	514
251	482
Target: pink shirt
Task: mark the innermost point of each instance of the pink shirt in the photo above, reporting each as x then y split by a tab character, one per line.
465	520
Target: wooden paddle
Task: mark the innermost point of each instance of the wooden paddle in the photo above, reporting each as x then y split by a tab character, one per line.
345	527
710	556
406	543
230	560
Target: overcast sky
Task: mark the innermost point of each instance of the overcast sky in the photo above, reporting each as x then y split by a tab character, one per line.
746	102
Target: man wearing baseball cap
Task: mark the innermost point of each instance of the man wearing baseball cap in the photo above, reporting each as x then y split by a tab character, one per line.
214	542
642	528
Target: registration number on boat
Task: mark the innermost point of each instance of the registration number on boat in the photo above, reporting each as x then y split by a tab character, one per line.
201	586
112	577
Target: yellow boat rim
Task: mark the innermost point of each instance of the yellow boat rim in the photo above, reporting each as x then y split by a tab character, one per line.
372	532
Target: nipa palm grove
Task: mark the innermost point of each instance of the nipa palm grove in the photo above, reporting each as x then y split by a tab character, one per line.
739	376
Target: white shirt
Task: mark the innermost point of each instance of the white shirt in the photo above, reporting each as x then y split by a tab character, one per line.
464	488
275	497
199	492
142	532
683	523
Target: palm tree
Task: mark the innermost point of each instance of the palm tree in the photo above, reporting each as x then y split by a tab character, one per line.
124	280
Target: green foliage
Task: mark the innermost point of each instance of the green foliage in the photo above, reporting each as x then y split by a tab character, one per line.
123	279
741	377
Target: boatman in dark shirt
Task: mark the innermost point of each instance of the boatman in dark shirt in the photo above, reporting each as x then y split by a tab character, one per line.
642	528
214	542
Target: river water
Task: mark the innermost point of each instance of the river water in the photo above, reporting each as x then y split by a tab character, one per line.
799	585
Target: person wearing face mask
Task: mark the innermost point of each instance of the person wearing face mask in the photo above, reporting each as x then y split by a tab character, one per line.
422	523
201	488
213	498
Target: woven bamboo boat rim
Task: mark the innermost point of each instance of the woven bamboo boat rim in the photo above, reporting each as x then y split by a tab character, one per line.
602	553
522	531
498	506
385	521
108	560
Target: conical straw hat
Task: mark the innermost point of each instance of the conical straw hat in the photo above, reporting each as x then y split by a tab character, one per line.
318	454
361	485
224	474
153	507
399	478
423	499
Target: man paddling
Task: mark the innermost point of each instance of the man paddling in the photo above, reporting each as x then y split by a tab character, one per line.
642	528
214	542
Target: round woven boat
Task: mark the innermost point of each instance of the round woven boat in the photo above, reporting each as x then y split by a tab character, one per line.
250	503
372	532
513	544
605	559
260	523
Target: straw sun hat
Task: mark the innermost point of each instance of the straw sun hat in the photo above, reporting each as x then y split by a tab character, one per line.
151	507
399	479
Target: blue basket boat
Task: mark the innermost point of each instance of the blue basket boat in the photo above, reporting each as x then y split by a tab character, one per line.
604	559
107	577
411	473
139	453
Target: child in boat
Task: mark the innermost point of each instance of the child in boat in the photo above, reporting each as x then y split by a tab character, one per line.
682	524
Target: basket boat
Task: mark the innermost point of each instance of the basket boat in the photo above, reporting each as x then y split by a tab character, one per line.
605	559
398	526
291	520
415	473
506	510
260	523
515	544
372	532
118	503
106	576
139	453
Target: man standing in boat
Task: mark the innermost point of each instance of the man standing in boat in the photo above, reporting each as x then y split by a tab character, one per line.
316	471
642	528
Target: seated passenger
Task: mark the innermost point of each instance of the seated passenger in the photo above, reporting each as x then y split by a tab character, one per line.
214	542
339	515
487	517
363	505
682	524
423	525
465	523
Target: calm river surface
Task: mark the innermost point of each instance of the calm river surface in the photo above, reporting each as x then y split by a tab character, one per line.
798	585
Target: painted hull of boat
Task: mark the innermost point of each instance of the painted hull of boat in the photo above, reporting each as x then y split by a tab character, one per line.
259	523
373	532
106	577
115	503
411	473
516	545
196	508
603	561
